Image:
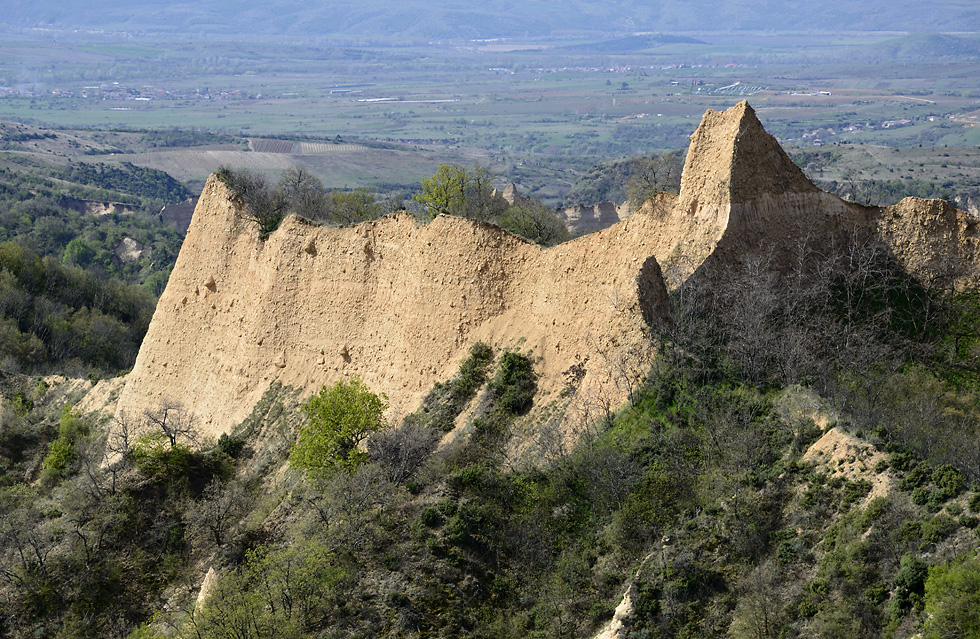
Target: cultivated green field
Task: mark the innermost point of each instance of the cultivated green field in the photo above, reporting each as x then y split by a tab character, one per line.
543	111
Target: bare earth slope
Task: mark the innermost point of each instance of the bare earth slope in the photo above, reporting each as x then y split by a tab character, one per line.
400	304
393	302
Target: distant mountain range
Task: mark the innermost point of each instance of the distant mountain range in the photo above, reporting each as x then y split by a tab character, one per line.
488	19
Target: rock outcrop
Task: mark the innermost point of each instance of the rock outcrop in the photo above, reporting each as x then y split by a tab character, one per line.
588	219
128	250
394	302
742	197
179	215
399	304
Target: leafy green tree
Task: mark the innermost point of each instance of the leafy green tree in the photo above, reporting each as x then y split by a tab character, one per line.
532	220
78	252
273	594
908	584
339	419
444	192
353	207
456	190
952	597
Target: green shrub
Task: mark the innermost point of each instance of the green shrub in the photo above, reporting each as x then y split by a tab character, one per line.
443	404
473	370
916	477
909	584
920	496
876	508
949	481
430	517
156	458
21	403
952	600
515	383
974	503
339	418
231	445
71	429
938	528
61	454
855	490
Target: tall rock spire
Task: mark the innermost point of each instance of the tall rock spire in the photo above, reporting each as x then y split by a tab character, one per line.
732	160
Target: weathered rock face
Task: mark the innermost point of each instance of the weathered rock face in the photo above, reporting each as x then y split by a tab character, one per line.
937	243
393	302
128	250
742	197
588	219
179	215
399	304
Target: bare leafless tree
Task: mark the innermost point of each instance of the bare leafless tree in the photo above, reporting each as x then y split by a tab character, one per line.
652	175
400	452
220	507
172	419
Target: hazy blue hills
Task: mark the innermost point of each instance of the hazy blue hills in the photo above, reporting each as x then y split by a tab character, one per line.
492	18
935	46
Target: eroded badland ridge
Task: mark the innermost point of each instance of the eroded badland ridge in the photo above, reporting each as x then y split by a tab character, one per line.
399	304
394	302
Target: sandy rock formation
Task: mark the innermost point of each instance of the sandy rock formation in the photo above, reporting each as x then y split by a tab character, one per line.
400	304
179	215
588	219
741	196
393	302
95	207
128	250
510	194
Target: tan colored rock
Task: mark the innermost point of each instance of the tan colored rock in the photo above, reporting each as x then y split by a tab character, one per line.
581	220
842	454
179	215
741	196
128	250
399	302
402	303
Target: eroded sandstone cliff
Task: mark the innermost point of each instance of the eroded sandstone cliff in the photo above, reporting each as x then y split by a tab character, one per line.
742	197
399	304
392	301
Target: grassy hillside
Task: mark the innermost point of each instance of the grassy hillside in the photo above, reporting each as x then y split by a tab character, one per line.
800	462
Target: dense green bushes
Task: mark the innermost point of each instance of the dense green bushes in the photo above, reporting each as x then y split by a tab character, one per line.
456	190
115	519
128	178
298	193
44	214
52	315
443	404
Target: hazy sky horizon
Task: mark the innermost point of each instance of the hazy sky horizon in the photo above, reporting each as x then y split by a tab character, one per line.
492	18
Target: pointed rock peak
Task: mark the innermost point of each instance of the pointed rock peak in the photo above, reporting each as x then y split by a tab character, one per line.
733	159
511	195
